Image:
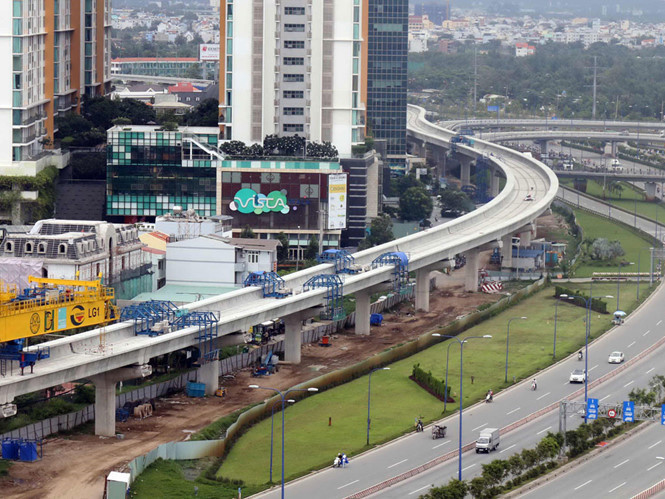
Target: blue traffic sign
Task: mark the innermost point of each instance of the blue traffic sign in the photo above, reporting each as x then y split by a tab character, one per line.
629	412
592	409
662	414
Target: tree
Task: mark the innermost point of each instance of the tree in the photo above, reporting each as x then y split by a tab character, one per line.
455	200
195	71
547	448
406	182
380	231
454	489
415	204
283	250
247	233
602	249
312	248
515	464
478	486
205	114
495	472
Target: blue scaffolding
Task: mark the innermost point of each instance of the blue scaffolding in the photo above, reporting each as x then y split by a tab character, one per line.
400	261
271	283
343	260
208	324
13	351
483	172
148	314
334	307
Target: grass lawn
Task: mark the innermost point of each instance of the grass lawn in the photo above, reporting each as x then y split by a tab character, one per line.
630	199
312	443
593	227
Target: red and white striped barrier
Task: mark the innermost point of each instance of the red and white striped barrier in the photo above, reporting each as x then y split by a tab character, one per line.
491	287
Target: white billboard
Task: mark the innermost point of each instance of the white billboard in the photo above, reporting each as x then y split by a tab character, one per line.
208	52
337	201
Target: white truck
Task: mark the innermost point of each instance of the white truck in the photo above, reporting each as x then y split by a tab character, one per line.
488	440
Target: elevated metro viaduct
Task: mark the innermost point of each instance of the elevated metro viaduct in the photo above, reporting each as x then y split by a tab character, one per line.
124	353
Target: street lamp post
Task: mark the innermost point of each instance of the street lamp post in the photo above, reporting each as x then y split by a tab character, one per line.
445	385
508	343
556	307
461	378
272	426
298	253
369	389
282	396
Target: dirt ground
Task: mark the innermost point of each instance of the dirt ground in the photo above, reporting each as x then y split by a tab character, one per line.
76	466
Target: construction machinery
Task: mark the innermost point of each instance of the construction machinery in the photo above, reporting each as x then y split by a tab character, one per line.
400	261
344	261
50	306
271	283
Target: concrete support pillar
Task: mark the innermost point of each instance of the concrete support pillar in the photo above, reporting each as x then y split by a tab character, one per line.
614	149
208	374
525	237
105	405
507	251
105	384
465	170
293	338
650	189
543	146
422	289
471	276
363	299
494	182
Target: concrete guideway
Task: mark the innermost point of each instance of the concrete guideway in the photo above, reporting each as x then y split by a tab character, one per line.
114	347
456	125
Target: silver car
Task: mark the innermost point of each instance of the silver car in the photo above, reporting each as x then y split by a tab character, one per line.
616	358
577	376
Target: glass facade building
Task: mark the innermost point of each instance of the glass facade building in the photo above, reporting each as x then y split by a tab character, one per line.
388	33
149	171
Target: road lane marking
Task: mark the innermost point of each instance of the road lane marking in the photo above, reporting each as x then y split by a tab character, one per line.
621	463
658	323
593	368
471	466
543	431
650	370
603	398
657	443
400	462
444	443
648	331
618	486
585	483
421	488
479	427
350	483
505	450
652	467
630	345
543	396
514	410
629	383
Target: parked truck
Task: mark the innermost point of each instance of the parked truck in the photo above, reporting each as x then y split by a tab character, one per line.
488	440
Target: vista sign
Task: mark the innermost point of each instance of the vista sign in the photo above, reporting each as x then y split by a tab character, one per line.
249	201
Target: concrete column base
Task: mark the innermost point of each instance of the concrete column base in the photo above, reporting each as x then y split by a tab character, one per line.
363	311
105	384
208	374
471	276
465	170
507	252
422	289
494	183
293	338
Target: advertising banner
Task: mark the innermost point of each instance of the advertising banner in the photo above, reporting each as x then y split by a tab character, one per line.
208	52
337	201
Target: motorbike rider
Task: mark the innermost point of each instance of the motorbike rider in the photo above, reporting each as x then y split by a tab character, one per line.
489	396
534	385
580	355
419	425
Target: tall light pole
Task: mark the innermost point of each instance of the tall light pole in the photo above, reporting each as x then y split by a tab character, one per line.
445	386
369	390
461	378
282	396
508	343
556	307
298	253
272	426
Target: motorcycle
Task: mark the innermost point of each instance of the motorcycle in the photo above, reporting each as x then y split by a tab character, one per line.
489	397
534	386
580	355
419	426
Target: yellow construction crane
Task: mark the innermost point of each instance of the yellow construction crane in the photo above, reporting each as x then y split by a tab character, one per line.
54	305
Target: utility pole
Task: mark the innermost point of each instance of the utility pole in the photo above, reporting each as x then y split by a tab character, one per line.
475	79
595	72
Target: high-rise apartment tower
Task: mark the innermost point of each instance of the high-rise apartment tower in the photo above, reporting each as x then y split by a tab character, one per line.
58	51
294	67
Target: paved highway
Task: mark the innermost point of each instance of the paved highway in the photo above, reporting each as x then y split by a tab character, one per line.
642	330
